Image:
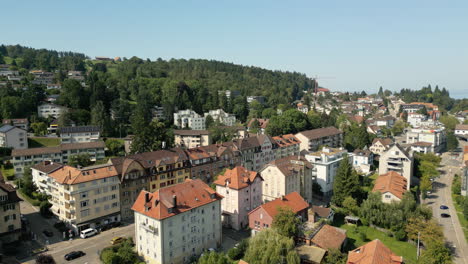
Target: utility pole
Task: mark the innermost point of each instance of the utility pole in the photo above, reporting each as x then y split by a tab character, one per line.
417	253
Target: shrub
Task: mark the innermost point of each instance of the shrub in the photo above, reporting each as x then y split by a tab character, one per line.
400	235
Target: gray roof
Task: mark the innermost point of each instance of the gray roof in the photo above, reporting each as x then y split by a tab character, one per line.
79	129
6	128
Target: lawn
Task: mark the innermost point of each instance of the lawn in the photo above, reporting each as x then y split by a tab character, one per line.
7	173
461	217
37	142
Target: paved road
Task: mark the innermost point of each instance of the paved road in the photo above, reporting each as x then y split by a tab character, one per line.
442	196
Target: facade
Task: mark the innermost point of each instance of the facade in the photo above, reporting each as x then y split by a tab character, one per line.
311	140
79	134
325	164
262	216
416	119
42	77
255	151
40	174
10	220
386	121
392	186
242	191
363	160
287	175
434	135
191	138
189	119
13	137
221	116
28	157
174	223
374	252
461	130
84	198
287	145
422	147
53	110
399	160
22	123
158	113
260	99
380	145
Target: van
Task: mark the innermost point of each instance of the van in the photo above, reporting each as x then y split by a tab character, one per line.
88	232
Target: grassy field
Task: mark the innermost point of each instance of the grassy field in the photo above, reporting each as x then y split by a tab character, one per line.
7	172
461	217
43	142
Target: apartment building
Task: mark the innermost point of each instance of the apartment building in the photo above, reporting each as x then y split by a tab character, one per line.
22	123
380	145
84	198
392	186
311	140
176	222
79	134
287	145
242	192
434	135
256	151
325	164
221	116
52	110
262	216
13	137
191	138
148	171
42	77
10	220
189	119
286	175
363	160
397	159
416	119
40	174
21	158
461	130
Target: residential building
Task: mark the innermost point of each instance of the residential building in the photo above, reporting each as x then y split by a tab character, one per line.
191	138
416	119
42	77
256	151
237	131
385	121
79	134
22	123
311	140
310	254
54	86
53	127
421	147
380	145
53	110
461	131
329	238
397	159
374	252
287	145
76	75
373	129
434	135
286	175
260	99
189	119
242	191
319	212
257	128
84	198
303	108
222	117
10	227
262	216
13	137
40	174
158	113
148	171
325	164
392	186
174	223
229	94
363	160
28	157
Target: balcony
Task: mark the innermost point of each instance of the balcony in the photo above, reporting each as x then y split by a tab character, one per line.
150	228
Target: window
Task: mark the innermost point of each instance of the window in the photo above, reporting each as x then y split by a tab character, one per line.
97	209
388	196
9	207
3	197
113	188
97	191
84	194
84	203
7	218
84	213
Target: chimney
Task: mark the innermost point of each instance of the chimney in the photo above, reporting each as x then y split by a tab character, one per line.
174	200
283	198
147	197
47	162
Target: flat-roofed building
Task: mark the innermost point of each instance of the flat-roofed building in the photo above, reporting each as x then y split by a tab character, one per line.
79	134
191	138
311	140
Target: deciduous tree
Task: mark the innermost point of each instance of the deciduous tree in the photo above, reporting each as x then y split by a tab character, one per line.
268	246
286	222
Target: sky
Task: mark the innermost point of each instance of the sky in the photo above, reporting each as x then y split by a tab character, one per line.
346	45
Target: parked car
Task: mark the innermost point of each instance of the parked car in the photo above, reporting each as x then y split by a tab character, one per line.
74	255
88	233
115	224
444	215
117	240
444	207
48	233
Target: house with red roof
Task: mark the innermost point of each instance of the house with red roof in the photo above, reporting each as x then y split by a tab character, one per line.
392	186
374	252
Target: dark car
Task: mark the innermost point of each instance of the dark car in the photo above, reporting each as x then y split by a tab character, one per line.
48	233
115	224
443	207
74	254
444	215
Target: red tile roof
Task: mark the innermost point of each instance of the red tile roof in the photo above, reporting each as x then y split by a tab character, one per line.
329	237
293	200
71	175
286	140
383	141
391	182
374	252
237	178
187	195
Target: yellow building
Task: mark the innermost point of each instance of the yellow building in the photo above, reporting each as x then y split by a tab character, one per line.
10	220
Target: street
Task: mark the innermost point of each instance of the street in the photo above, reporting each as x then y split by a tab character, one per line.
441	195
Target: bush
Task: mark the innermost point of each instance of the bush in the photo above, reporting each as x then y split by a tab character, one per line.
400	235
44	208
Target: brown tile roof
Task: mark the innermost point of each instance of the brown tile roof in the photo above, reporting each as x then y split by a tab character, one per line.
71	175
288	165
321	211
286	140
10	190
461	127
15	121
329	237
191	132
58	149
384	141
237	178
362	152
151	159
188	195
374	252
391	182
242	262
321	132
47	166
293	201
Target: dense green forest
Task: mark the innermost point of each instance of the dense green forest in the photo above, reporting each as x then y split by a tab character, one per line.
437	96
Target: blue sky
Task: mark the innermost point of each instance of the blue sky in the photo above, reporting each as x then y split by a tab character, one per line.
351	45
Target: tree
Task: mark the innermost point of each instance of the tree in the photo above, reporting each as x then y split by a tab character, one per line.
286	222
238	251
114	146
254	126
74	95
39	128
45	259
346	182
268	246
44	208
465	208
436	253
335	256
100	118
150	137
82	160
449	122
430	232
452	141
27	184
350	205
291	121
209	121
381	92
214	258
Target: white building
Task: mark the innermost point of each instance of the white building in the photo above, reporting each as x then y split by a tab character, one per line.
434	135
221	116
189	119
416	120
176	222
399	160
325	164
363	160
79	134
22	123
40	174
461	130
53	110
13	137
